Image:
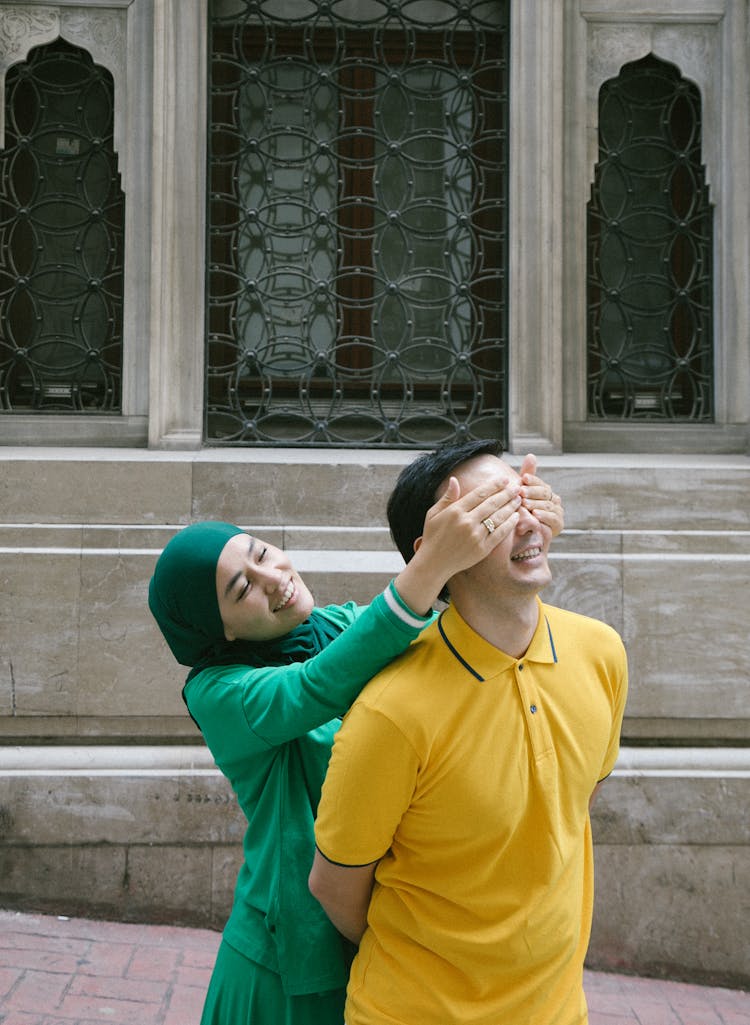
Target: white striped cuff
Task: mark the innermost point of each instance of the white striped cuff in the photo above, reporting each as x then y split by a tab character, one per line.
396	604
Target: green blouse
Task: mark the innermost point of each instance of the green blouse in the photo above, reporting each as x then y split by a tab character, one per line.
270	731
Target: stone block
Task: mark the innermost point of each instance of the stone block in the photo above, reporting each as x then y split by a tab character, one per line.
164	883
657	493
675	910
671	831
341	538
587	586
689	806
303	492
39	621
66	878
124	665
95	486
335	588
685	627
116	796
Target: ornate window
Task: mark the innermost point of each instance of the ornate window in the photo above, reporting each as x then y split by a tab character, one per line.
650	241
357	223
61	238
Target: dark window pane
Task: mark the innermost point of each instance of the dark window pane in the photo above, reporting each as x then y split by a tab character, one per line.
650	239
357	226
61	238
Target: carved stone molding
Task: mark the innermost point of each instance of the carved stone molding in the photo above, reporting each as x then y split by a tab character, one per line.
102	33
21	29
692	48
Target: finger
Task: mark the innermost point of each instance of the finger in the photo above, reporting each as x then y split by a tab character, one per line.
528	465
505	524
498	507
537	490
551	518
498	486
451	493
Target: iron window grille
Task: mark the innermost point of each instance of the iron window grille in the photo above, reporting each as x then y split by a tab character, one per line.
61	238
357	223
650	242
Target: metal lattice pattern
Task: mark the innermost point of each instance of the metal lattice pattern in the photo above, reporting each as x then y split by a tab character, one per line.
357	223
61	238
650	349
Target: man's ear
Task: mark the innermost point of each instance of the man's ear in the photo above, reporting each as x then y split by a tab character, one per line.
417	543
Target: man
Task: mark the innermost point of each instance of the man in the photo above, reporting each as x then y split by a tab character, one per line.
453	833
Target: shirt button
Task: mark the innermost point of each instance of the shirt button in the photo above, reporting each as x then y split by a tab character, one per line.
520	665
533	709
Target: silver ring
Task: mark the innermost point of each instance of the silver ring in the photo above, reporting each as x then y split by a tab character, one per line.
489	524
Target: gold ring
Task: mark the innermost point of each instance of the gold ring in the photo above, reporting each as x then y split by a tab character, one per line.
489	524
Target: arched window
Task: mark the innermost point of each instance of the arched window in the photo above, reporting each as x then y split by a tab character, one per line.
358	228
61	238
650	240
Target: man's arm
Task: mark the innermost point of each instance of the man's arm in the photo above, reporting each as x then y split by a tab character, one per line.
344	892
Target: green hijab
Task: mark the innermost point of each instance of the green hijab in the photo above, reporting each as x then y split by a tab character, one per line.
182	592
182	598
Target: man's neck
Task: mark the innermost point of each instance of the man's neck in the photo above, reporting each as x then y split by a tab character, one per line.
509	626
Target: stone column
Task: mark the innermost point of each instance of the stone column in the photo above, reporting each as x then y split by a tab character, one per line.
178	242
535	249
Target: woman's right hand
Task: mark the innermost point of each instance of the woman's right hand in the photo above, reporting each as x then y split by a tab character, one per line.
456	537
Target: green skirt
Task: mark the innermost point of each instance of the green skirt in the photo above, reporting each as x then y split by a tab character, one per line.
242	992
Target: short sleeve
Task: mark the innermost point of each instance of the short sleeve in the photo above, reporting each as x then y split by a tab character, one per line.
619	697
370	783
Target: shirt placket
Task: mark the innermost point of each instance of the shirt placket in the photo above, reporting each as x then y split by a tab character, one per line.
533	709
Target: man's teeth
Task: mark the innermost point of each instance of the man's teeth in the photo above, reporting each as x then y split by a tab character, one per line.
286	596
529	553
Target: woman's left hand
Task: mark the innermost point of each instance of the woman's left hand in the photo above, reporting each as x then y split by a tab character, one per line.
539	498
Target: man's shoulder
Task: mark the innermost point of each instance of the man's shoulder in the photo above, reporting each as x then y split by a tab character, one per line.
580	625
407	672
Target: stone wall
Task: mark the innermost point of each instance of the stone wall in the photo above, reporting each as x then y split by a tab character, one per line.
110	805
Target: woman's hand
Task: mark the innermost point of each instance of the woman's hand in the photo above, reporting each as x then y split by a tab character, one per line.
539	497
459	531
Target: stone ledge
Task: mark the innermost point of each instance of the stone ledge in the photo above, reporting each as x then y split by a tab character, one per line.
109	829
105	759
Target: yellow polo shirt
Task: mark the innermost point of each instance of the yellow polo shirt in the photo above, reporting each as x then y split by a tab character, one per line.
468	774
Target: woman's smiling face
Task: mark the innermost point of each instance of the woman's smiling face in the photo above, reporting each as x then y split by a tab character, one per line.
260	595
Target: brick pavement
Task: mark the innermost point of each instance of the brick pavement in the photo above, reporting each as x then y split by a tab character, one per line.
70	971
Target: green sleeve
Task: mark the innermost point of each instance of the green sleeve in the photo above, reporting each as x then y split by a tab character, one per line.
279	703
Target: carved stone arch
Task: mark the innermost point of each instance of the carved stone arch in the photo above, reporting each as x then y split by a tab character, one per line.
102	33
20	31
694	49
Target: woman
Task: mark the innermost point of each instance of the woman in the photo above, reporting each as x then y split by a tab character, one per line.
270	674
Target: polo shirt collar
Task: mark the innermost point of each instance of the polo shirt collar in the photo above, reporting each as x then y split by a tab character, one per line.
482	659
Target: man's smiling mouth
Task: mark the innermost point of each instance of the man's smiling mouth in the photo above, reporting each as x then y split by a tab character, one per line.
526	554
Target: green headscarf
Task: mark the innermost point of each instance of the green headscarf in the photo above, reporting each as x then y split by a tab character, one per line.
182	592
182	599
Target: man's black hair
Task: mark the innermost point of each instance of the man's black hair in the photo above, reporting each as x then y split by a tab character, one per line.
415	488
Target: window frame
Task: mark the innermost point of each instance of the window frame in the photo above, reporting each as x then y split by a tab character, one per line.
112	33
706	40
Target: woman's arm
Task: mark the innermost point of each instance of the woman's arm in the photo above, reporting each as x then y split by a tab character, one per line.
279	703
